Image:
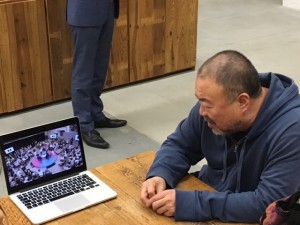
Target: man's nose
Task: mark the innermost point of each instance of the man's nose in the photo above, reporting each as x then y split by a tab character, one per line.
202	111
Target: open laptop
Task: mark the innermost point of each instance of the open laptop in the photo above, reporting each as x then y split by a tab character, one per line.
46	173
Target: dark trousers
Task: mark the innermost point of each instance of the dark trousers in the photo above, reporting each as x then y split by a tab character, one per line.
90	63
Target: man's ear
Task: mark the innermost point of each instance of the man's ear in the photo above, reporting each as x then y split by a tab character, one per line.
244	101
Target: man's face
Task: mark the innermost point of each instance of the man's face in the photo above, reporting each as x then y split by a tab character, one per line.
222	116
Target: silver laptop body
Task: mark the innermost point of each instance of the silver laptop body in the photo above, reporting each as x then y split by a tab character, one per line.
46	173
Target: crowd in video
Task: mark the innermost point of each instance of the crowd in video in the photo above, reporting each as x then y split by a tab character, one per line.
42	155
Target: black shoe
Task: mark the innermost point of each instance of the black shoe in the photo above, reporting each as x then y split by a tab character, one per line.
93	138
110	123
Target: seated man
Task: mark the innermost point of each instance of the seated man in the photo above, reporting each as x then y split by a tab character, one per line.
247	127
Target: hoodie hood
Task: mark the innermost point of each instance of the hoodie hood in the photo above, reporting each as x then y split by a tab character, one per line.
282	97
282	90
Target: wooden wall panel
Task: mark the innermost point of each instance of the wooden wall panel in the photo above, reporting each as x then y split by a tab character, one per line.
151	38
25	71
61	48
118	71
162	37
146	38
181	34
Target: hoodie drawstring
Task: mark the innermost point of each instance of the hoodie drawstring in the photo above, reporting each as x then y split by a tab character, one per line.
240	165
224	163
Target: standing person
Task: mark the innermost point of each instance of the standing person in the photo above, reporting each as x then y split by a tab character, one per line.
247	126
92	24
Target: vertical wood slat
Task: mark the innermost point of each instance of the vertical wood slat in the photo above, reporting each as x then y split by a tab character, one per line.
118	71
147	39
25	72
60	47
181	34
9	67
4	38
162	37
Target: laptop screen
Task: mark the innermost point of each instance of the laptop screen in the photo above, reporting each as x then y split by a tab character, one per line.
41	154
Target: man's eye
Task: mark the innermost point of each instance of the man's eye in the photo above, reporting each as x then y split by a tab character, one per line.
205	105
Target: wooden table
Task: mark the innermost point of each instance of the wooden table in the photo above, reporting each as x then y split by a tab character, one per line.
125	177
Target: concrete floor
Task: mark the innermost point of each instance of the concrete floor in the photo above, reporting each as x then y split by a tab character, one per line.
265	31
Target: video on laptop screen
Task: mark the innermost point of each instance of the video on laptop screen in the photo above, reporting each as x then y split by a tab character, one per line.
42	155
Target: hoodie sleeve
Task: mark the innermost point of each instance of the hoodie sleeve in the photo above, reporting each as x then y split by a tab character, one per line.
226	206
180	150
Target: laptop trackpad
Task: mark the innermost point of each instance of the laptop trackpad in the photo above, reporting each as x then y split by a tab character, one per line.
72	203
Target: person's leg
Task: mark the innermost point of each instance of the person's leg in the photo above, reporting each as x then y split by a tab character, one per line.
101	64
85	44
101	67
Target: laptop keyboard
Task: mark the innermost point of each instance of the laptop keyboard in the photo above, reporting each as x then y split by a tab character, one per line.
52	192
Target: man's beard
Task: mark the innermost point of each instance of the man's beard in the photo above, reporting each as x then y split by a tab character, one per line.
234	127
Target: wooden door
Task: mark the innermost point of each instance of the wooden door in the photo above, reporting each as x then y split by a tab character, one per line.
61	48
118	71
181	35
24	57
162	37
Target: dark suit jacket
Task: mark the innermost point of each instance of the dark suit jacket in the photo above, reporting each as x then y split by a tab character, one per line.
89	12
